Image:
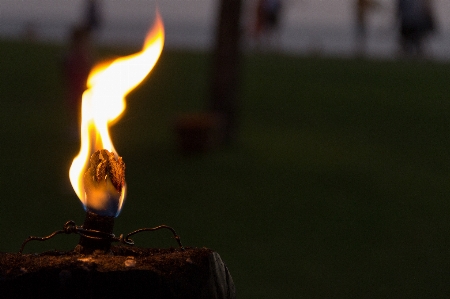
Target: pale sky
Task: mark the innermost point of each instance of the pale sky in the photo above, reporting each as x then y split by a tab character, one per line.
296	12
308	21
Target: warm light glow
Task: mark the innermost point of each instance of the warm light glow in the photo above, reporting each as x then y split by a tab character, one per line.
104	101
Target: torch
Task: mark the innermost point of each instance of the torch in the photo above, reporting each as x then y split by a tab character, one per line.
97	175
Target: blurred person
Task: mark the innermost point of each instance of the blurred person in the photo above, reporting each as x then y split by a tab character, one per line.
267	19
30	31
93	15
77	65
416	22
362	9
272	11
260	18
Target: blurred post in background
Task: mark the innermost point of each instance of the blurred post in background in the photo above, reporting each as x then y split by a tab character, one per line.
225	68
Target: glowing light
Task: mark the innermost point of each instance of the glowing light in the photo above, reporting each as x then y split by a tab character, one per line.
104	102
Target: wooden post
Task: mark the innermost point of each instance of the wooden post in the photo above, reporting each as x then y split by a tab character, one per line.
126	272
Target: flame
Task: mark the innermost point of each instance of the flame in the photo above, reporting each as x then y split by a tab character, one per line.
104	101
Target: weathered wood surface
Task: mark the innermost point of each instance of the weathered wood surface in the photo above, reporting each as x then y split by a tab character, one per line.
125	273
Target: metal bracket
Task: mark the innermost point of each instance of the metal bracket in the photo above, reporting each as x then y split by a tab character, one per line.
71	228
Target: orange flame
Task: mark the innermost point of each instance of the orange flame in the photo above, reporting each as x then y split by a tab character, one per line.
104	101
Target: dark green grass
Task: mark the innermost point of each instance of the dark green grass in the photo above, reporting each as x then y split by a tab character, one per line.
337	187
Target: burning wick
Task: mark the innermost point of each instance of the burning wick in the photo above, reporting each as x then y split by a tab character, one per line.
104	183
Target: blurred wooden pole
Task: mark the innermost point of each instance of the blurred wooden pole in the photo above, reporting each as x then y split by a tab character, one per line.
225	68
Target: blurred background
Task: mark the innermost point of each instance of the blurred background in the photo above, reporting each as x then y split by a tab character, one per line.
308	147
305	26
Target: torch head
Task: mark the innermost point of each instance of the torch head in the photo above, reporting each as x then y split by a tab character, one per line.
104	183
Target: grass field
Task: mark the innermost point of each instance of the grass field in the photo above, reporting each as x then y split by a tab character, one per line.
338	185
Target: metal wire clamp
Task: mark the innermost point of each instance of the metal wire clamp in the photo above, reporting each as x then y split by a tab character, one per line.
71	228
